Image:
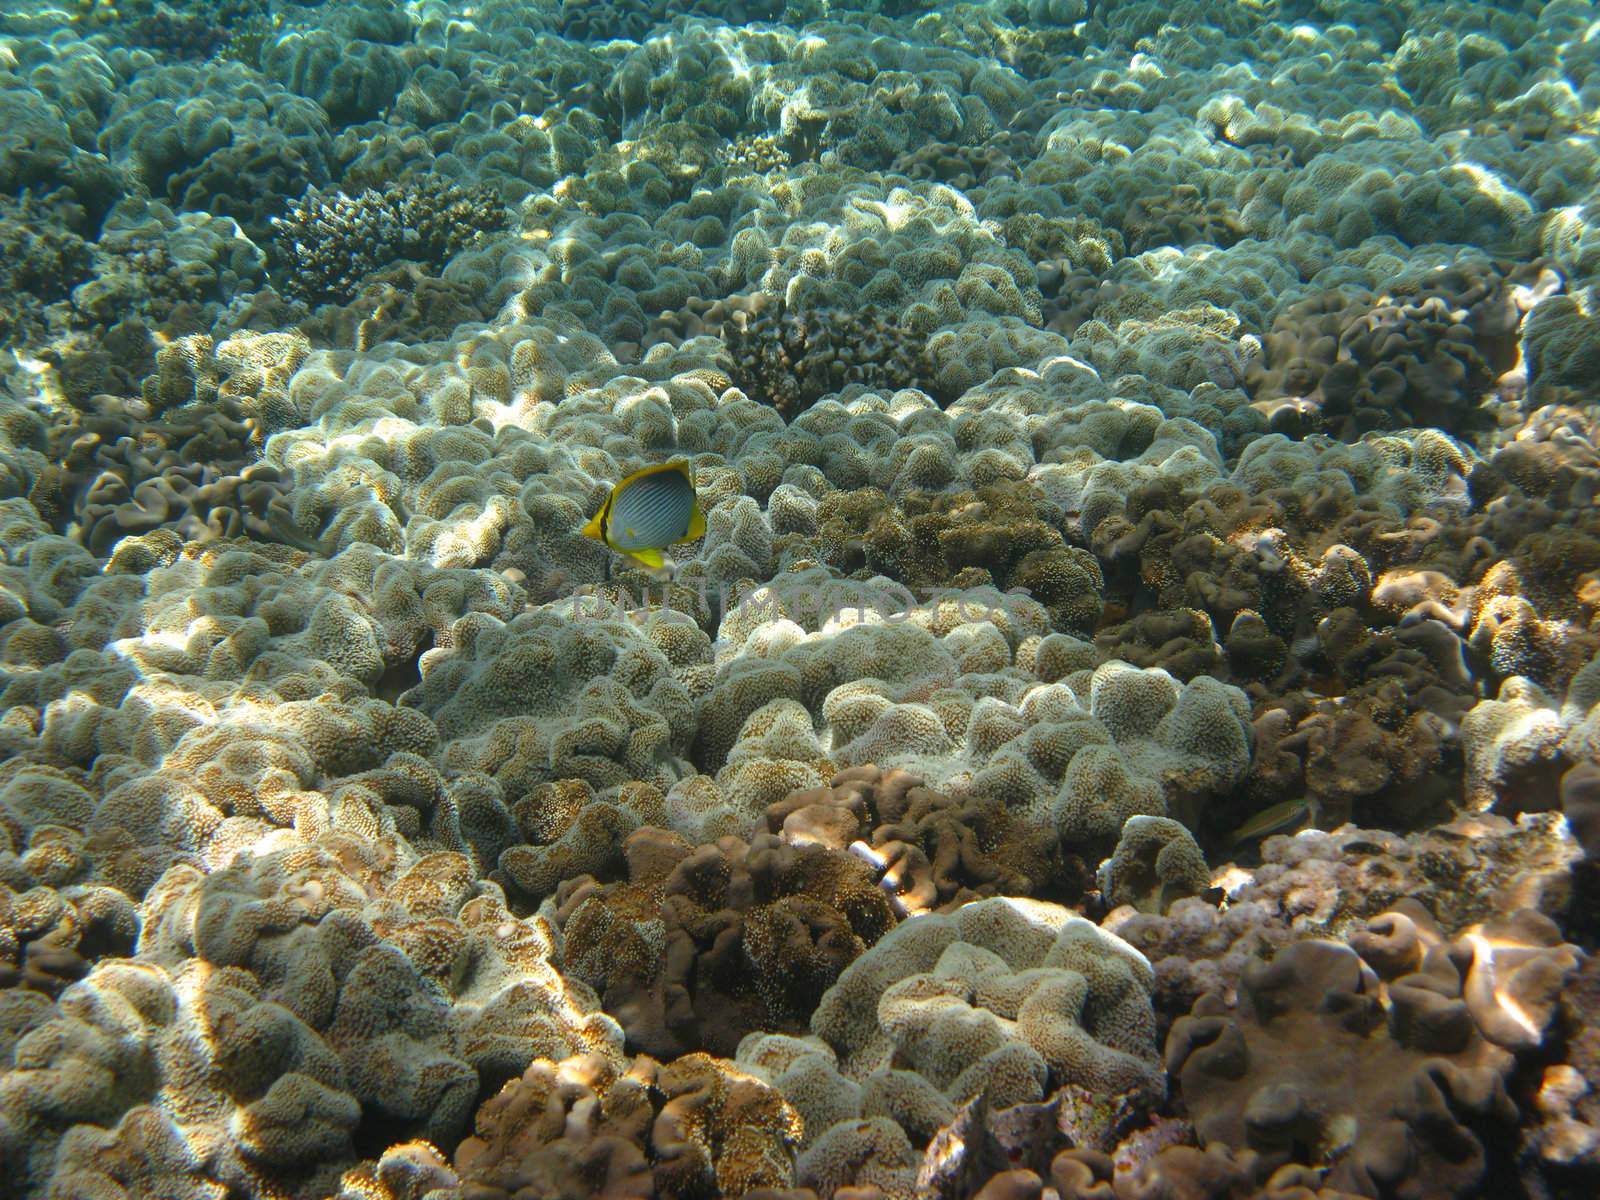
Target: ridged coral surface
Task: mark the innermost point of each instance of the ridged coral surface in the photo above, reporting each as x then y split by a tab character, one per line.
1130	728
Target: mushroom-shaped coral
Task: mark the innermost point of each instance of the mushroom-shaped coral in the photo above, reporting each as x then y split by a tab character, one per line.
1156	863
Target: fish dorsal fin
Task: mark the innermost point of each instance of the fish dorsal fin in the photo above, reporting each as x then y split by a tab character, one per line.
677	464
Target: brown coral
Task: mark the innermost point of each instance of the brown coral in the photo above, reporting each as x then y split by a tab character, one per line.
1308	1065
192	470
791	359
1005	534
932	851
584	1126
703	944
1424	354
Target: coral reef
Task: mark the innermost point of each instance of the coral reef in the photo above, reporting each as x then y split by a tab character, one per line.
1425	352
1130	728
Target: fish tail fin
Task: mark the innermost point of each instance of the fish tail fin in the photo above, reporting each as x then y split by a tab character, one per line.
697	524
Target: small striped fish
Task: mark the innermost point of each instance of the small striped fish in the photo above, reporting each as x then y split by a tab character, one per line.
649	509
1277	819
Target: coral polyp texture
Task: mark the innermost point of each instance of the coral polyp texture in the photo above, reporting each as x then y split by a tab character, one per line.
1128	723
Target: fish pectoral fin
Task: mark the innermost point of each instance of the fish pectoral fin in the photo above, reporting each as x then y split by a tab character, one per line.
650	558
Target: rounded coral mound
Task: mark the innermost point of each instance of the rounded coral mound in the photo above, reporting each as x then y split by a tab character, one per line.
1004	997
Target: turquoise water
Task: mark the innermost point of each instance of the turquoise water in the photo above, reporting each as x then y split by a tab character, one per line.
1131	726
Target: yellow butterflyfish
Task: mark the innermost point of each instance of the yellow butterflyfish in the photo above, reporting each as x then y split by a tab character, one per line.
650	509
